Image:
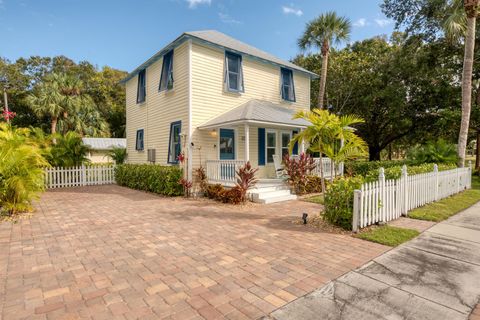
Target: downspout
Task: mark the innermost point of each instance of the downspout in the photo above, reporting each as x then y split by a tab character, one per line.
190	128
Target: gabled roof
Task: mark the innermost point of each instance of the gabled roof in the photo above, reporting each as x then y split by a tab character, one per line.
224	42
105	143
257	111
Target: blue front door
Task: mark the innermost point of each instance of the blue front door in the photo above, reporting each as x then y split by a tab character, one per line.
227	152
227	144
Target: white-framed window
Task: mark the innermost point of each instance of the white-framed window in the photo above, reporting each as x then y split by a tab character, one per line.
285	140
139	140
271	144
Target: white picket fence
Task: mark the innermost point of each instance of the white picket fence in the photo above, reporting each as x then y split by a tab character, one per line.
386	200
59	177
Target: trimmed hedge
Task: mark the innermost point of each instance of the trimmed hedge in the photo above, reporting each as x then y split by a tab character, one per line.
362	168
396	172
149	177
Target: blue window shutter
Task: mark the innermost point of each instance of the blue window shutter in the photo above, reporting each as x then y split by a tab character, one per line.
261	146
295	147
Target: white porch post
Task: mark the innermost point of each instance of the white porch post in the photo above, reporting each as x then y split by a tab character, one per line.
247	143
302	145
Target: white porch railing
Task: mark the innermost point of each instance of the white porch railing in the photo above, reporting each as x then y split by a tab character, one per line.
223	171
59	177
386	200
327	168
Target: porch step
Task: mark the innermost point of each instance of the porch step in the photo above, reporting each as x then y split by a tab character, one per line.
271	191
287	197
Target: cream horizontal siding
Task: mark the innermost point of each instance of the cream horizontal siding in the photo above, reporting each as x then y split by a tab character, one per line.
261	81
159	110
137	118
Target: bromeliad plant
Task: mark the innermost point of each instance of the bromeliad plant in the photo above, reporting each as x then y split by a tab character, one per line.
298	170
246	179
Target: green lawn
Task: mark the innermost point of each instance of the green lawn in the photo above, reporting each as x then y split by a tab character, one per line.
387	235
445	208
315	199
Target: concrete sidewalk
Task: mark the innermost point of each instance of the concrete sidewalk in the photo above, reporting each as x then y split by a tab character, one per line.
435	276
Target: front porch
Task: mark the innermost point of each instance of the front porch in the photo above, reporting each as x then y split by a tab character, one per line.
224	171
256	131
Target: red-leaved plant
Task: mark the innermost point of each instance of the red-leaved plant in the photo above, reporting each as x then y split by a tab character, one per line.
181	157
187	186
246	179
298	169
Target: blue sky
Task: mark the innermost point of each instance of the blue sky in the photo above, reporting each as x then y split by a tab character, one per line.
124	33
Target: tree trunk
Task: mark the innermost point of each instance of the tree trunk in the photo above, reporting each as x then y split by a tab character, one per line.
466	89
374	153
53	128
477	151
323	80
322	177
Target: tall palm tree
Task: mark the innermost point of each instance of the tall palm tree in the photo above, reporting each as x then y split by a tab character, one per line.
321	33
461	24
56	97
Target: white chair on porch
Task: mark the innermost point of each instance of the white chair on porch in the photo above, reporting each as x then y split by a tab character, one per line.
279	170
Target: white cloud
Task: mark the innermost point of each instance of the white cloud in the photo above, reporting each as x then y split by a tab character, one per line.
194	3
382	22
226	18
362	22
292	10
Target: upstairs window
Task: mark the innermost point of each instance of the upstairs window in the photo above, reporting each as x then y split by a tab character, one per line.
174	147
141	88
166	78
233	72
139	140
288	89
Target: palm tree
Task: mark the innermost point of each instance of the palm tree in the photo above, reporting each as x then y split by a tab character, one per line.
321	33
21	169
57	97
69	150
344	144
317	134
461	23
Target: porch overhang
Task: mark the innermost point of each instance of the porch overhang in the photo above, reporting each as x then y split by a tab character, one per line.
258	113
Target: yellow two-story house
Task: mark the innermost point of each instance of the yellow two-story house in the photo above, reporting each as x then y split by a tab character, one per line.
218	101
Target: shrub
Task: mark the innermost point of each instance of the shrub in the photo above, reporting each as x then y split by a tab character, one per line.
186	185
212	191
434	152
246	179
233	195
362	168
339	201
396	172
149	177
21	169
119	155
314	184
298	169
201	176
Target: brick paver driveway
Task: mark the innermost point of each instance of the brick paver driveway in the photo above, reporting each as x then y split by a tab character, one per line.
109	252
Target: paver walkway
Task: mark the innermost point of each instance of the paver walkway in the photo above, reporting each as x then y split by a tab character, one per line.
435	276
109	252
